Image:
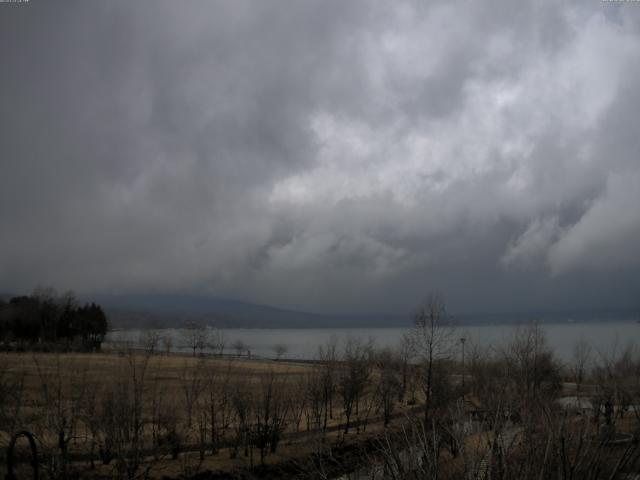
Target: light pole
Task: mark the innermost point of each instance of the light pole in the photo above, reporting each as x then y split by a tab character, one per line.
462	340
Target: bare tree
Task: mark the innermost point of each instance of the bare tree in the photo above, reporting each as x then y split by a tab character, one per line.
580	362
353	377
167	343
327	361
388	383
280	349
88	413
487	375
195	336
11	398
137	369
217	341
149	340
405	353
156	413
240	347
298	403
613	373
217	396
531	366
61	395
315	399
270	409
192	384
120	416
242	406
635	385
432	340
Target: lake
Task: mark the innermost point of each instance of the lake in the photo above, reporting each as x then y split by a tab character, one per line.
303	343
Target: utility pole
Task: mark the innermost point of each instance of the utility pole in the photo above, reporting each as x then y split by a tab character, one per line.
462	340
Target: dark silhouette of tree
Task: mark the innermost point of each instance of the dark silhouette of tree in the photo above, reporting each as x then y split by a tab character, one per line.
280	349
432	337
354	377
45	318
195	336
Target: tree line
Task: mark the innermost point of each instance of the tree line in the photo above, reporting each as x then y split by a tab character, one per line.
497	414
45	319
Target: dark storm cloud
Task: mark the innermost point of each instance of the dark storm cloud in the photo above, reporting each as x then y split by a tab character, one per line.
323	155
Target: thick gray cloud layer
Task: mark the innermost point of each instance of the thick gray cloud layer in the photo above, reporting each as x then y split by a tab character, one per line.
334	156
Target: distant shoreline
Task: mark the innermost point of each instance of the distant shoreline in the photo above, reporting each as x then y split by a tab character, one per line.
379	326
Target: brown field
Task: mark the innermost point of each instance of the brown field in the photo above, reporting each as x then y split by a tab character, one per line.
136	415
60	384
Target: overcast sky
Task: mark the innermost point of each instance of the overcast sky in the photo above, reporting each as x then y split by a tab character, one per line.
333	156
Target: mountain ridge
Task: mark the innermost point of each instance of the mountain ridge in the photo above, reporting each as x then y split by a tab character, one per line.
175	310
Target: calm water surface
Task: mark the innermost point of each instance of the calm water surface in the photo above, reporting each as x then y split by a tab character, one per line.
303	343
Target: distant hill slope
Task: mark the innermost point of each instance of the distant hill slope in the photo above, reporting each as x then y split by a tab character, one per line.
162	311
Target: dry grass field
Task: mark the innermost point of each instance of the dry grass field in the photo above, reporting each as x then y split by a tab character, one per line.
178	401
134	415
